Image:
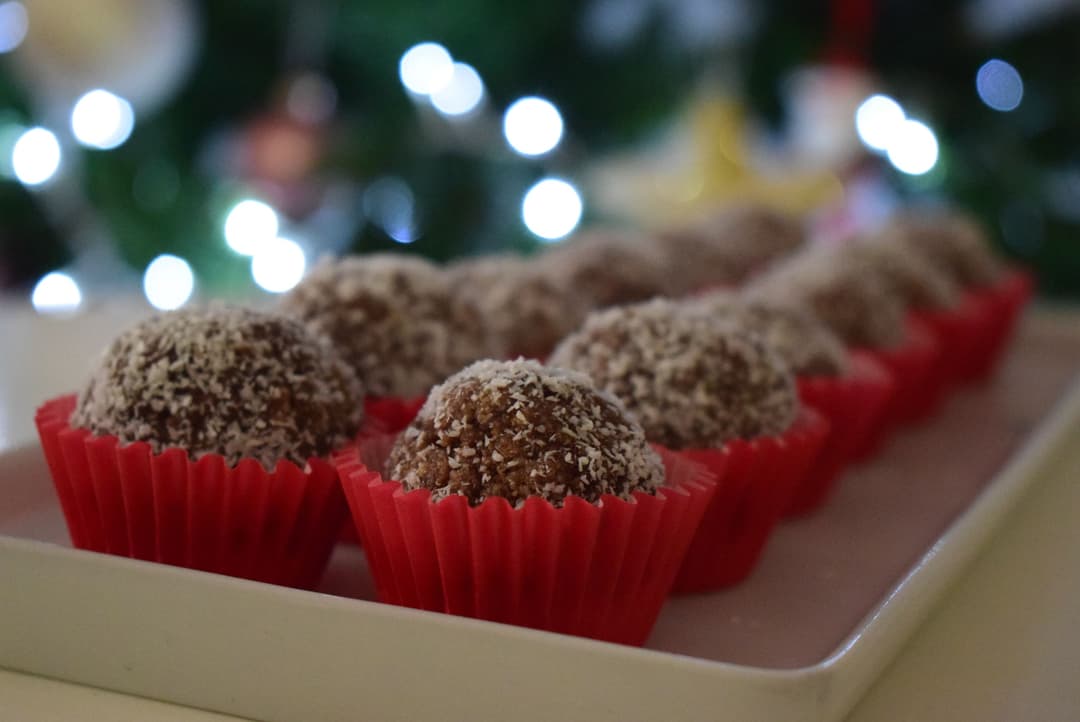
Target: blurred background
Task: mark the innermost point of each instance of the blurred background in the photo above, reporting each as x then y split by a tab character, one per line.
178	149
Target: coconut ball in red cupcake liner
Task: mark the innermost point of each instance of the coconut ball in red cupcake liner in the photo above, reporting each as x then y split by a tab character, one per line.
717	394
201	440
931	297
852	402
396	321
846	390
994	293
868	317
522	494
1001	306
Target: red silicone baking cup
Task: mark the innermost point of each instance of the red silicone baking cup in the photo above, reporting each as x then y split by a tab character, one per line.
389	414
910	365
852	403
756	480
1000	306
244	521
595	570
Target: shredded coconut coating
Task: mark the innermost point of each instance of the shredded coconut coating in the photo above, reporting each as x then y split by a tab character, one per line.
805	344
691	381
950	240
609	267
526	310
393	318
919	283
516	429
859	308
223	380
729	246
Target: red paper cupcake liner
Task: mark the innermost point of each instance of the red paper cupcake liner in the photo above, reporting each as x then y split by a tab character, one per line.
756	480
389	414
244	521
594	570
910	365
956	331
851	403
1000	307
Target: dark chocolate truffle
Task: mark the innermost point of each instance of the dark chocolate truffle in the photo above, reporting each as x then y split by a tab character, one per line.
805	344
951	241
609	267
516	429
729	246
919	283
692	381
526	310
393	318
859	308
221	380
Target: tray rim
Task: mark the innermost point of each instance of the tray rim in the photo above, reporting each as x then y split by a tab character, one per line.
825	690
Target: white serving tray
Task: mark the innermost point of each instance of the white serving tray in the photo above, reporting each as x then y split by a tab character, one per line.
828	608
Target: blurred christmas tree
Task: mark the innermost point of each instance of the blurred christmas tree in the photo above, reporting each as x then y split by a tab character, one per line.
317	111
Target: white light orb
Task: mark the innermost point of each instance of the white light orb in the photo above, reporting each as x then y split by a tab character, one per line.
168	282
532	126
913	149
551	209
102	120
999	85
36	156
426	68
278	265
13	25
462	94
877	121
56	293
250	224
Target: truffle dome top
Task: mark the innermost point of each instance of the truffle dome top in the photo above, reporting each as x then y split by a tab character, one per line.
393	319
692	381
516	429
802	340
227	381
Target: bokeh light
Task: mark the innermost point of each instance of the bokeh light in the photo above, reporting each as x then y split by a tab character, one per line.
168	282
914	148
390	204
999	85
278	265
36	156
462	94
877	121
249	225
532	126
551	209
426	68
56	293
102	120
13	25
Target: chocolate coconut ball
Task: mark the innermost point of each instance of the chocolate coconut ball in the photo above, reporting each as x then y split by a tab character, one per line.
526	310
804	343
220	380
393	318
516	429
608	267
859	308
691	381
951	241
919	283
729	246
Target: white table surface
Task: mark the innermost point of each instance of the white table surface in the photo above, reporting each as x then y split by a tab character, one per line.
1004	645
